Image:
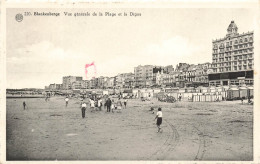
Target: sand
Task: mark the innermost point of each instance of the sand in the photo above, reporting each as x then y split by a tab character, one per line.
191	131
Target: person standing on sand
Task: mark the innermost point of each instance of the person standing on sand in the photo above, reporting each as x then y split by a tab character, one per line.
159	119
119	105
24	105
67	101
99	103
113	106
125	101
105	104
83	109
108	103
92	105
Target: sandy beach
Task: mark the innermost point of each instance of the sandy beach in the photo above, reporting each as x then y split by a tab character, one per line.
191	131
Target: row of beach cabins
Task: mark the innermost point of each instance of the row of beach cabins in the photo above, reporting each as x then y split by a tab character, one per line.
192	94
201	93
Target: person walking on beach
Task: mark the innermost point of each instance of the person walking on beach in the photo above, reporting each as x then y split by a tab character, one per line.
112	106
159	119
108	103
105	104
125	101
67	101
92	105
83	109
180	97
119	105
99	103
24	105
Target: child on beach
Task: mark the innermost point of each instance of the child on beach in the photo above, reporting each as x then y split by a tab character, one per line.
113	106
159	119
67	101
125	101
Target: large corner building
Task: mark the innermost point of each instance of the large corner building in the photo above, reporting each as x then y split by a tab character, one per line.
233	58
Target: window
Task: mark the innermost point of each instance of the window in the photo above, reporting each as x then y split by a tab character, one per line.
245	39
235	68
239	67
236	42
240	41
235	63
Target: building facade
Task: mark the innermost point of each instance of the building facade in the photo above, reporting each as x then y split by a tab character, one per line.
68	80
143	75
233	58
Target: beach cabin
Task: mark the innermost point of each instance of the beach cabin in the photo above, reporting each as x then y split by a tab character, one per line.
212	89
250	91
233	94
243	92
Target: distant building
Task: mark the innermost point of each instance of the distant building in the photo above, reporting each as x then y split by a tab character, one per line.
110	82
182	67
145	76
68	80
124	80
76	84
233	58
55	86
85	84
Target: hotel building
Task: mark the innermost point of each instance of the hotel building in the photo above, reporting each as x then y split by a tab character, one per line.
233	58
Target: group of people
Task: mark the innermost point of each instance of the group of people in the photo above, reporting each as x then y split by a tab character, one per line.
109	105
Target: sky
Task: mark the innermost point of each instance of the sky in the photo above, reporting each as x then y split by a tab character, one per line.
43	49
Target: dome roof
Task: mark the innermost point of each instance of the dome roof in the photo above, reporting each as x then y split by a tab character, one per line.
232	25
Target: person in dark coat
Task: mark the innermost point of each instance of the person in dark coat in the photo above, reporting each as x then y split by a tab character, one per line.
24	105
108	104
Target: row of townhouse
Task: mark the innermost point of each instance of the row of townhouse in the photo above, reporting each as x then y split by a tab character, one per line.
123	80
185	75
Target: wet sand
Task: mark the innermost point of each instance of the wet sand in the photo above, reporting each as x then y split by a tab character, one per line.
191	131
